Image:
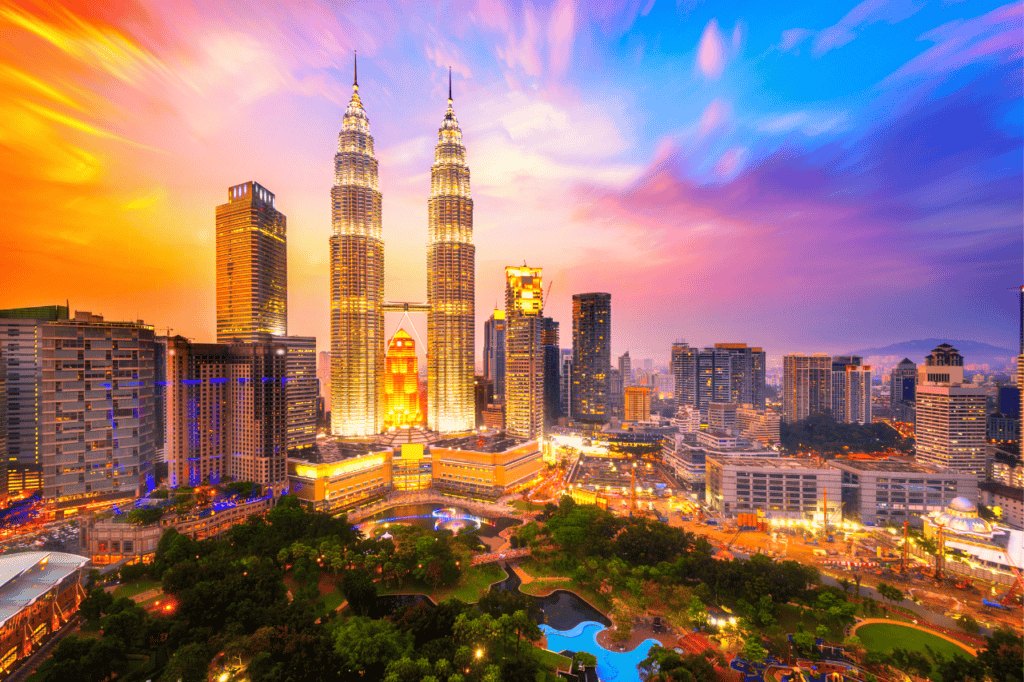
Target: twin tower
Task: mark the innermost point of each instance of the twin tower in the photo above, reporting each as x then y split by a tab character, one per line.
357	283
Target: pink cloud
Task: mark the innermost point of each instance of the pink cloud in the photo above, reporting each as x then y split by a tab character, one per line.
561	31
714	115
491	13
446	57
711	51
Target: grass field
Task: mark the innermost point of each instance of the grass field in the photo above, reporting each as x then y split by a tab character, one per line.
551	659
472	582
527	506
885	637
542	587
136	587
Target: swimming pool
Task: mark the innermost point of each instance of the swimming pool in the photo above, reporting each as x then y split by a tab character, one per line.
611	665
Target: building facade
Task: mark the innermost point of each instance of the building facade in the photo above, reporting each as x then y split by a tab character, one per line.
806	386
401	383
839	365
591	352
626	370
97	412
950	414
226	413
494	353
722	417
451	277
357	280
524	357
637	404
902	381
758	425
552	379
300	390
856	382
252	266
565	380
684	372
781	487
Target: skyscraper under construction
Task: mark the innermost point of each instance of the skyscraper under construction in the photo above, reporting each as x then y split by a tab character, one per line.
451	274
357	281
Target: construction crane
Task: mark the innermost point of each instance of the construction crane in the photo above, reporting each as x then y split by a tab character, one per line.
941	554
906	547
1017	586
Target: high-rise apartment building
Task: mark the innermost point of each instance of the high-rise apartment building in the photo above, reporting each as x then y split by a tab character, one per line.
591	351
950	420
451	276
565	380
300	391
97	416
902	381
226	413
494	353
857	394
3	421
357	280
757	424
684	371
806	385
746	373
252	266
615	404
524	358
401	383
626	370
722	417
552	379
637	406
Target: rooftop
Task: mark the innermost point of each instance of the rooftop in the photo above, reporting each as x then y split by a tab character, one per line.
1003	490
479	443
328	450
791	463
27	576
892	465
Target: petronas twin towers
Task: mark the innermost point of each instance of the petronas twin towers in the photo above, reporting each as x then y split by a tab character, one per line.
357	282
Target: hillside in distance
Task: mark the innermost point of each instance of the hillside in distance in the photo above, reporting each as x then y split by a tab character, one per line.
974	352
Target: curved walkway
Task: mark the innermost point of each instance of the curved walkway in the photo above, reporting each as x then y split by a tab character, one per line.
874	621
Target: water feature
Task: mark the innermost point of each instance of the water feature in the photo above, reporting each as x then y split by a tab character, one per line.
611	665
435	517
561	609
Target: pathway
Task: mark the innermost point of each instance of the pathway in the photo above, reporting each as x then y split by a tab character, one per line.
499	556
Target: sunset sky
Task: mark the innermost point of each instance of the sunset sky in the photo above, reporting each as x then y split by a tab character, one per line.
802	176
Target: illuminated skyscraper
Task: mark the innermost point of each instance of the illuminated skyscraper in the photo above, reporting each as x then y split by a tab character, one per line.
401	383
626	370
806	385
357	281
524	356
451	273
950	417
252	266
591	352
637	403
494	353
300	391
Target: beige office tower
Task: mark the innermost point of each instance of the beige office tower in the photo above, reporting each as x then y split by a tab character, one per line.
950	427
252	266
806	386
451	275
300	391
226	414
524	358
357	281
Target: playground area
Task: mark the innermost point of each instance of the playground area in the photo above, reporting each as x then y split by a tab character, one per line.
773	670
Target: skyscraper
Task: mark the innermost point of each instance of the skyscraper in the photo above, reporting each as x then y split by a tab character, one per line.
684	371
226	413
902	382
401	382
626	370
565	379
806	385
357	280
552	385
300	391
524	358
451	276
857	390
252	266
637	404
839	365
494	353
97	416
950	426
591	351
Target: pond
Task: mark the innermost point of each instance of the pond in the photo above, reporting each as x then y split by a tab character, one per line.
611	665
435	517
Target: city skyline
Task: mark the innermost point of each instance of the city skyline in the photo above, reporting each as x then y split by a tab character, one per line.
708	131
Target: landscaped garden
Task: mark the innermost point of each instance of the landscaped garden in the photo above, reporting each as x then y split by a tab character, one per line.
885	637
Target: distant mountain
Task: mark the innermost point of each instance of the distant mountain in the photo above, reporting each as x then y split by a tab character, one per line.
974	352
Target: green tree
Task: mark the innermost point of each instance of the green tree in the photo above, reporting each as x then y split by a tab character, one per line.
697	612
1003	656
359	589
753	650
189	663
967	623
366	646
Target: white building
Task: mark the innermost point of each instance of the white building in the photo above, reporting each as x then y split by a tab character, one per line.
781	487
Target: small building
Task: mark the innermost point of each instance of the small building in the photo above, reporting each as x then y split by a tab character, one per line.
1004	500
483	467
337	475
39	593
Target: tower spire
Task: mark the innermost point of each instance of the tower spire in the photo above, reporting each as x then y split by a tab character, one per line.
355	70
449	85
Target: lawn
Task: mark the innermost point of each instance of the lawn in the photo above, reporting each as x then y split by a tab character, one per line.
472	582
542	587
886	637
551	659
527	506
332	600
137	587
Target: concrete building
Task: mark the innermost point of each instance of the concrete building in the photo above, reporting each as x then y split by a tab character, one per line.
484	469
323	377
97	412
451	284
950	427
781	487
626	370
252	266
726	373
615	403
524	357
684	372
686	454
638	404
902	381
483	391
40	593
357	280
857	394
806	386
1007	501
722	417
591	352
552	380
758	425
337	475
300	390
898	490
226	413
687	419
494	353
839	365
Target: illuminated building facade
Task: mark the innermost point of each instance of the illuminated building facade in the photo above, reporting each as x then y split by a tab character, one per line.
950	414
494	353
684	373
806	386
357	280
451	273
637	404
300	390
252	266
524	358
857	392
591	352
226	413
97	413
758	425
626	370
401	383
